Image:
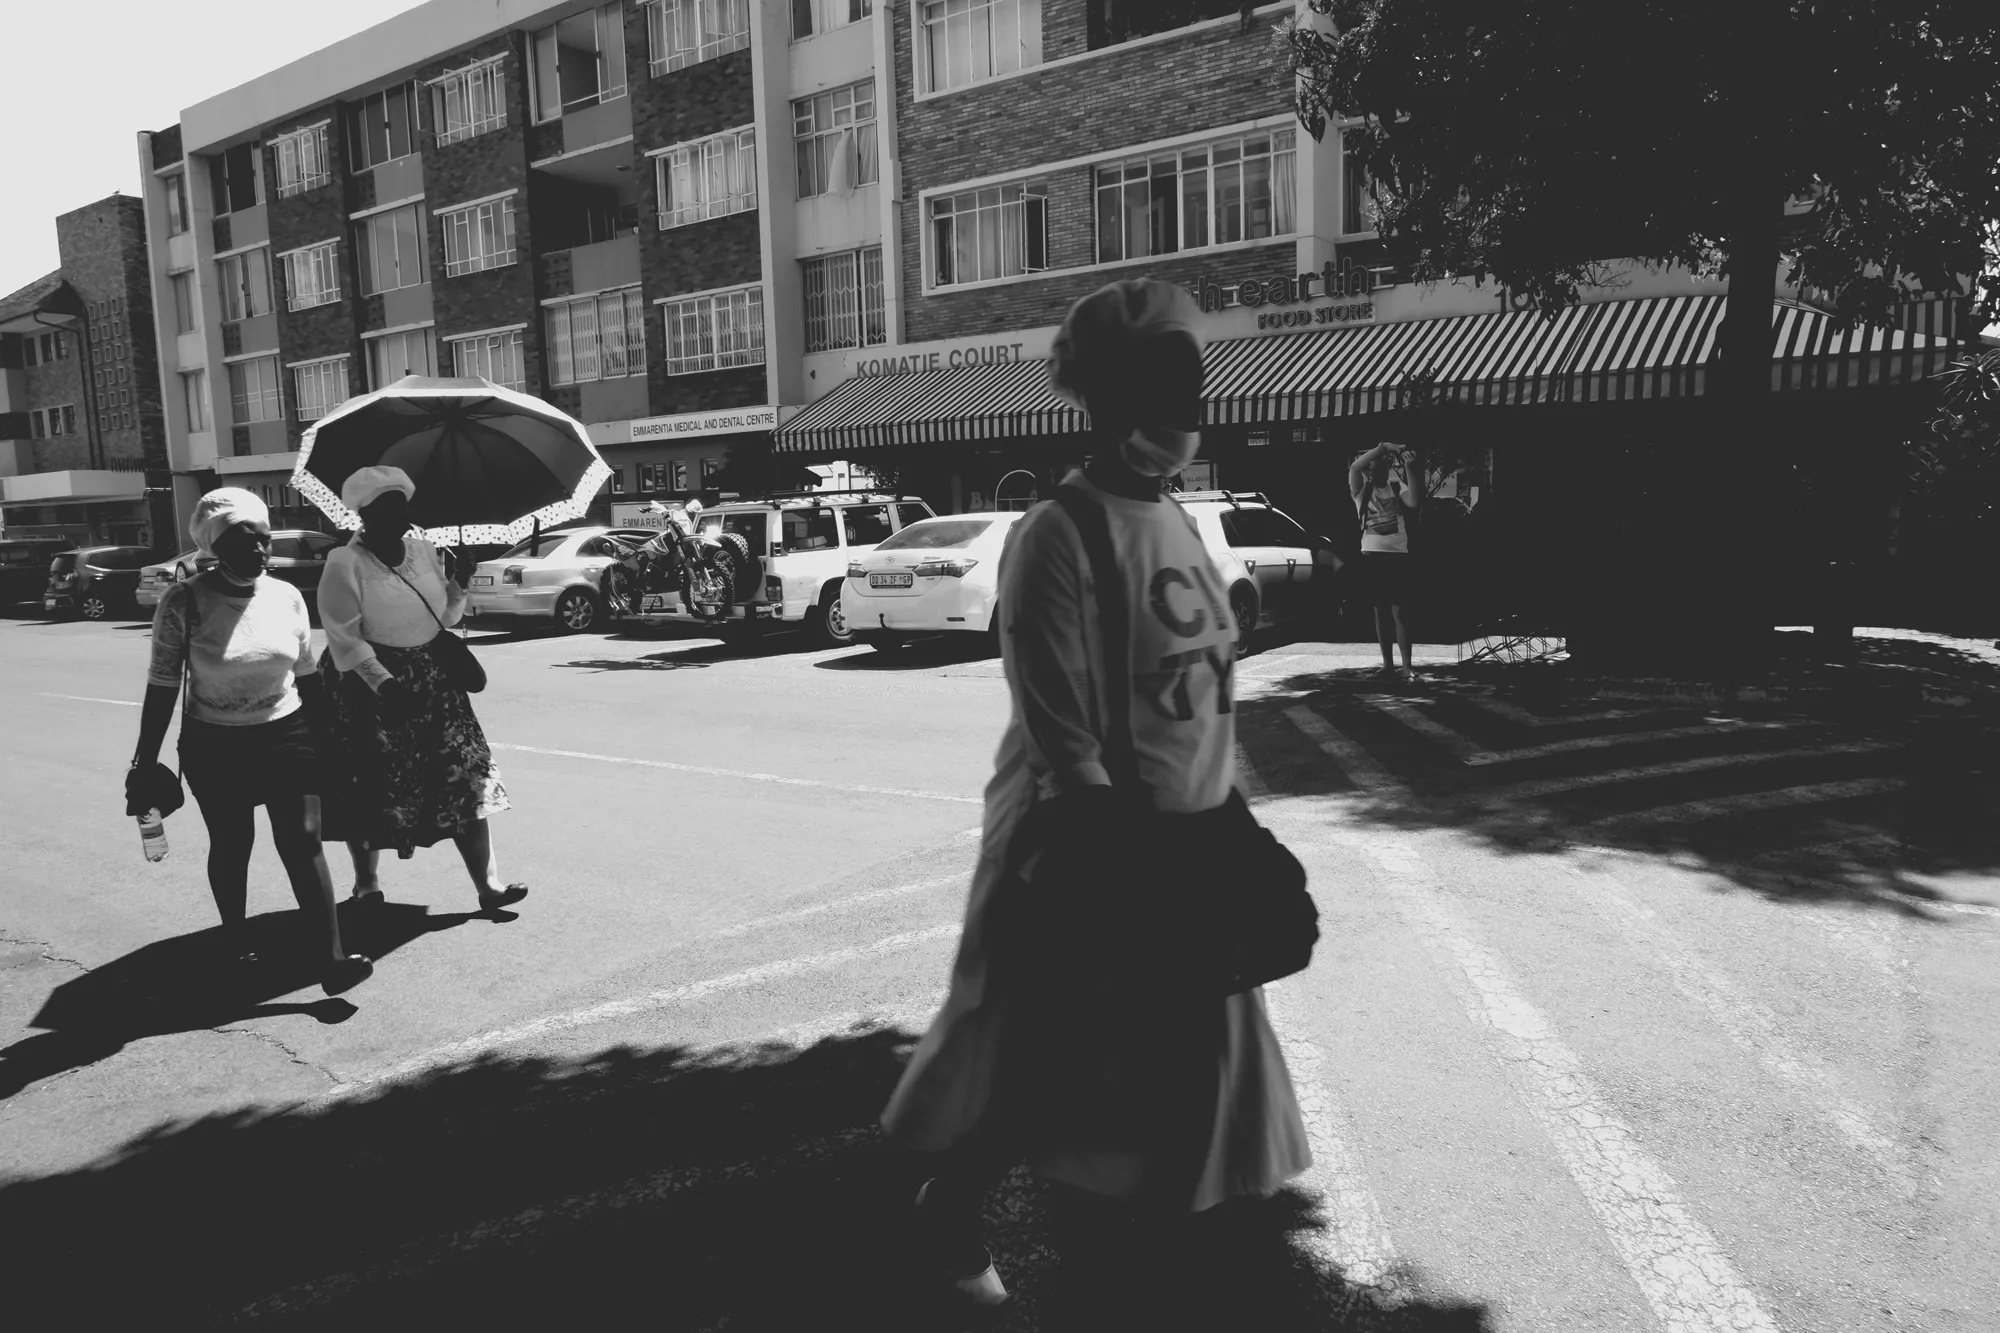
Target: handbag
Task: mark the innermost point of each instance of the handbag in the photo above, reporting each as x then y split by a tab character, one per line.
1208	903
451	653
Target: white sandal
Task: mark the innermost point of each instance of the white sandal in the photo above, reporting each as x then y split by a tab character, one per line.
983	1288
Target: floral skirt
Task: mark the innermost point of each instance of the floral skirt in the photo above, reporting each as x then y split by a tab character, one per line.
412	780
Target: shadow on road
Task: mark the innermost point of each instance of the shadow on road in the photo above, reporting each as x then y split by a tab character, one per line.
934	650
187	984
742	1189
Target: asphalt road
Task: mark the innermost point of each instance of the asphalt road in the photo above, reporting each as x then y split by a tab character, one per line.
1624	1017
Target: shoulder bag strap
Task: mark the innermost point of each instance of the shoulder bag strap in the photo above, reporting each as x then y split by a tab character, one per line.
1114	631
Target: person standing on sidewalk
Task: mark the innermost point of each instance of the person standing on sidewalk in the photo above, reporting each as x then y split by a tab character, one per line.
239	643
1173	1100
1385	497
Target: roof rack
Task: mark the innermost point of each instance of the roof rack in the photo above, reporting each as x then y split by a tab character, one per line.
1232	497
870	492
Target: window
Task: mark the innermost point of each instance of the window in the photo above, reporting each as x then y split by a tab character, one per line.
253	390
844	305
715	332
677	473
53	422
908	513
865	525
617	480
382	127
312	276
809	530
811	16
394	355
1357	193
964	41
492	356
1241	189
479	236
708	179
834	135
579	61
683	32
597	337
389	250
194	397
176	187
998	232
320	387
232	179
61	346
302	161
469	101
245	284
48	347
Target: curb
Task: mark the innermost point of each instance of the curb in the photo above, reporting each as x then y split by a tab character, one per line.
1886	697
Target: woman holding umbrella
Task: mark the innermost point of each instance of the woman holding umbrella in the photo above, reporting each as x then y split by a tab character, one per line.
418	768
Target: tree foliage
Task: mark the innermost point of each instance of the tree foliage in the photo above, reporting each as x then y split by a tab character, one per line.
1532	142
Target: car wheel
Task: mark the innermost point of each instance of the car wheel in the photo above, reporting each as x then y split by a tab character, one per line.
576	611
1243	606
95	606
827	623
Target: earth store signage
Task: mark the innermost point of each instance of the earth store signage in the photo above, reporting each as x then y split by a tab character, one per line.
1335	294
730	421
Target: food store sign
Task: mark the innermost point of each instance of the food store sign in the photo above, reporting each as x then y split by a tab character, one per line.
1335	294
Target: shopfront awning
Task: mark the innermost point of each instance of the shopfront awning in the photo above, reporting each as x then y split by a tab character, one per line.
1651	347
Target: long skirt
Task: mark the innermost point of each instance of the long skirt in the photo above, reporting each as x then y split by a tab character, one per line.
416	778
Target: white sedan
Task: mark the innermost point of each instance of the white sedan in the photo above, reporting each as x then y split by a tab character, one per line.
938	575
552	577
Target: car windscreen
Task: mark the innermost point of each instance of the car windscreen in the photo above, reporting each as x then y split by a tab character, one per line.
937	534
536	547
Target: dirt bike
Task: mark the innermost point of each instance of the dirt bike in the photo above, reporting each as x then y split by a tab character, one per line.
706	571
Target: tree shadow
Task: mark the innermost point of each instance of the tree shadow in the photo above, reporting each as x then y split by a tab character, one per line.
744	1188
691	653
190	983
929	650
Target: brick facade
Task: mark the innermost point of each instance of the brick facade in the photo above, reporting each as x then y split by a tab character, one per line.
303	219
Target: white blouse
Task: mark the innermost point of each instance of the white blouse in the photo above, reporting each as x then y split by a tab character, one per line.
242	655
363	603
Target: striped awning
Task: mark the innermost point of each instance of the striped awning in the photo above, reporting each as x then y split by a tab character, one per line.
1649	347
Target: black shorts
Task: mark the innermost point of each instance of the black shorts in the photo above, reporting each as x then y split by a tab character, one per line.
250	765
1386	577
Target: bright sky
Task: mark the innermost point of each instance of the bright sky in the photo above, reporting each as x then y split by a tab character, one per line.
101	72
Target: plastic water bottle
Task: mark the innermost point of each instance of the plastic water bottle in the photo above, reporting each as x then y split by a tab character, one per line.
153	835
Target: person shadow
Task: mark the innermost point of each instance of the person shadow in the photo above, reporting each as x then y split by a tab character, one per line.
192	982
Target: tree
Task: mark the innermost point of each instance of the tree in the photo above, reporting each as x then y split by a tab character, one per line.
1536	143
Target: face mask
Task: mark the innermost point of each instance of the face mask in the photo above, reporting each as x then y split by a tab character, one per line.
242	562
1162	453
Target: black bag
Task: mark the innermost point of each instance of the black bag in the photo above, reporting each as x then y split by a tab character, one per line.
452	654
1209	903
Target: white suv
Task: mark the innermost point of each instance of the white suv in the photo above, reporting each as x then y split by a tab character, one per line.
802	542
1274	570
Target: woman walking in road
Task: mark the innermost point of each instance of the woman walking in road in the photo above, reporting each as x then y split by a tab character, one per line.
1180	1100
239	643
417	768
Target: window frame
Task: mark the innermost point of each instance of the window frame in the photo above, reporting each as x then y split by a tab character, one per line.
866	317
321	259
303	148
180	289
311	406
808	134
660	26
466	224
230	288
490	72
1034	205
737	149
747	325
605	91
194	393
512	339
373	340
1351	207
563	323
1141	172
365	253
357	124
922	46
179	220
267	395
817	16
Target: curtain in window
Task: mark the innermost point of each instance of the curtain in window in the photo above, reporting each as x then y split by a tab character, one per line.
1284	193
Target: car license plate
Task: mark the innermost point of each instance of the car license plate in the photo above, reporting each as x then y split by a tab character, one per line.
482	580
653	601
892	580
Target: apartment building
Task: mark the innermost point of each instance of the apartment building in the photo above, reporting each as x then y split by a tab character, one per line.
82	439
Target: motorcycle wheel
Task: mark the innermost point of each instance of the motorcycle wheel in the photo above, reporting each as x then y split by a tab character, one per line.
713	583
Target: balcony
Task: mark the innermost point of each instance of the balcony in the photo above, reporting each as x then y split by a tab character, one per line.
72	486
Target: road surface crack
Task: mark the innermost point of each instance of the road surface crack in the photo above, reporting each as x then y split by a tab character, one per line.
46	950
290	1054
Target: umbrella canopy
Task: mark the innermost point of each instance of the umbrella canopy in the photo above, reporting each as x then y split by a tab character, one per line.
488	463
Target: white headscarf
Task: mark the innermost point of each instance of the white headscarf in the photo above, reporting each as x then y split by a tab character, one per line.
222	509
1112	359
368	484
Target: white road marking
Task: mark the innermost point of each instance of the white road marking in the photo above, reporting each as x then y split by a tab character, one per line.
1359	766
1678	1265
1522	717
637	1004
707	771
1747	1023
92	699
1356	1240
1723	807
1553	786
1472	752
836	905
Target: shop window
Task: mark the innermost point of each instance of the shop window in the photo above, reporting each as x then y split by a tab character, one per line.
319	387
245	284
844	302
469	101
382	127
683	32
1001	231
966	41
834	139
497	357
708	179
312	276
389	250
478	236
579	62
1241	189
811	16
253	390
232	179
715	332
302	161
597	337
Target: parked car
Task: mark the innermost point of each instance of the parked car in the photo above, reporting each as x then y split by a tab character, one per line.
934	576
554	575
804	542
24	567
298	556
1272	569
95	581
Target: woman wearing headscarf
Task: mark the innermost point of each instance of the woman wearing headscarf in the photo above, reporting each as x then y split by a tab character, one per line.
416	766
239	642
1183	1101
